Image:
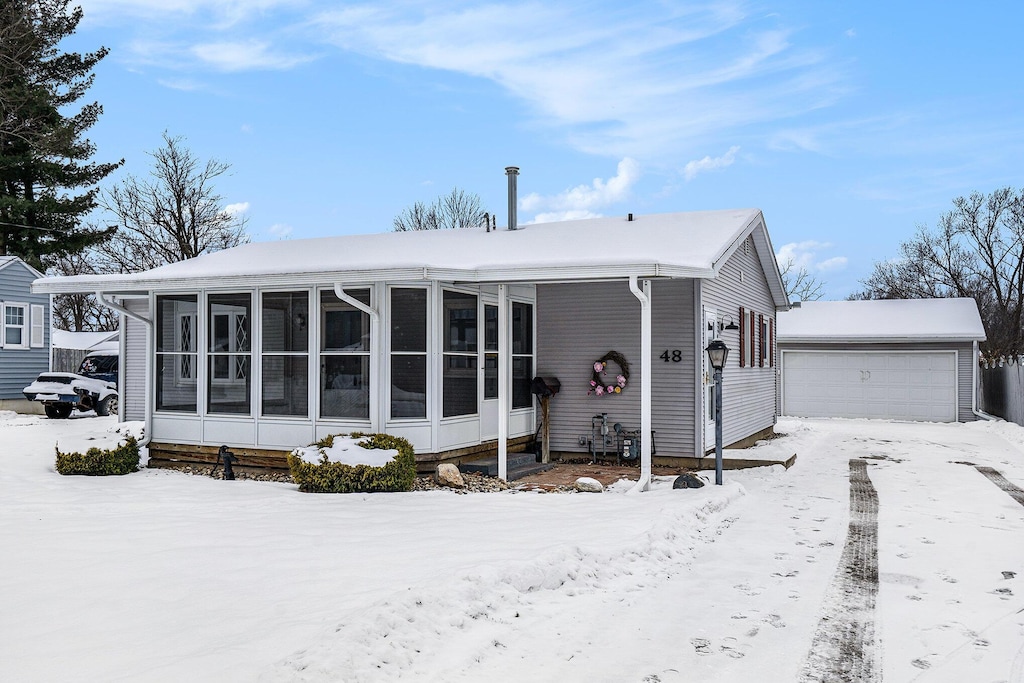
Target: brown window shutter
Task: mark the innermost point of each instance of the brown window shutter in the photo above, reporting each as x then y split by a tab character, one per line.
760	340
753	337
743	339
771	342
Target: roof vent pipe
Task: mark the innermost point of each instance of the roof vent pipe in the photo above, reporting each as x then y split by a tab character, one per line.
512	172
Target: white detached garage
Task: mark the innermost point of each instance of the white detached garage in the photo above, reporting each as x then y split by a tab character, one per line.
888	359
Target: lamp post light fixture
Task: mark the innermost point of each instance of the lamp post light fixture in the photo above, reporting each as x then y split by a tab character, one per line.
718	353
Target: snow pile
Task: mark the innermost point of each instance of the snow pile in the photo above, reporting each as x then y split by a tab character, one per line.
347	451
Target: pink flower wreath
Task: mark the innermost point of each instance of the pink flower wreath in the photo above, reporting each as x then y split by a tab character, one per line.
599	386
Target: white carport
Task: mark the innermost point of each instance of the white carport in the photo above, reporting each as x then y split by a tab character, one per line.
891	359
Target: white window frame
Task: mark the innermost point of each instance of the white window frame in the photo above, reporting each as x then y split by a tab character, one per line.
24	326
38	326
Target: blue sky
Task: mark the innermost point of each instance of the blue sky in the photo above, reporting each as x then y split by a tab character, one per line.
848	124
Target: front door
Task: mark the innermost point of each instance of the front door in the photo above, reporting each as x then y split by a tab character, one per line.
710	332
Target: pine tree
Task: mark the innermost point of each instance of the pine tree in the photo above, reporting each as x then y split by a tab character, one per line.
44	158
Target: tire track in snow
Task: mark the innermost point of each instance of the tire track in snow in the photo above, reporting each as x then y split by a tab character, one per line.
843	649
997	478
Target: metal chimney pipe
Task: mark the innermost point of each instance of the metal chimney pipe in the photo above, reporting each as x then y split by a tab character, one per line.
512	172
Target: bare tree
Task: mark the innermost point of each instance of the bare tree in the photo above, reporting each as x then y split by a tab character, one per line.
976	250
457	209
175	214
800	284
79	312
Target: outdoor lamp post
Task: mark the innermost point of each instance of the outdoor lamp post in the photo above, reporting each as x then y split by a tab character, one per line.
718	352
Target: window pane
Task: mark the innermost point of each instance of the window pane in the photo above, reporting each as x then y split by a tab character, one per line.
459	322
522	328
345	386
228	386
14	315
286	321
344	327
286	385
409	320
491	375
12	336
490	328
522	375
175	383
229	322
176	323
460	380
408	386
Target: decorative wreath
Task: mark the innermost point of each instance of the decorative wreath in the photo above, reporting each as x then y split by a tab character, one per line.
598	379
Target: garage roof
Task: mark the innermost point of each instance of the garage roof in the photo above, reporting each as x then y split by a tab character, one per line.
882	320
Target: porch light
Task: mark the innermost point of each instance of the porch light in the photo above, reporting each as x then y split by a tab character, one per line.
718	352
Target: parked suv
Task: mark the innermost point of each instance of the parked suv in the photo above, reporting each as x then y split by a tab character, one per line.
93	387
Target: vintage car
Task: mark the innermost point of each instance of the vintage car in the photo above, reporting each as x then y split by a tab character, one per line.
93	387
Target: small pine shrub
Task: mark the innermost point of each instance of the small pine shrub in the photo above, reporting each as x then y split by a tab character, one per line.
336	477
123	459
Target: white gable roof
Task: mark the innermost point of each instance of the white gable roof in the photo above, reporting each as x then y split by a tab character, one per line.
692	244
882	320
91	341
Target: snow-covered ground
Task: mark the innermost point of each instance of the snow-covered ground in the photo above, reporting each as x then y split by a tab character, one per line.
159	576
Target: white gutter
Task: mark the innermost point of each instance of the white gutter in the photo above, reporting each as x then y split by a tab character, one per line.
974	392
376	424
147	435
644	296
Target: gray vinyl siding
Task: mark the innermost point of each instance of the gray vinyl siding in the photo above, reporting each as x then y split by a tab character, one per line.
748	393
19	367
580	322
964	370
134	362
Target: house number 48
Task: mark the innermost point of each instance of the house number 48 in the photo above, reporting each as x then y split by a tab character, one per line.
673	356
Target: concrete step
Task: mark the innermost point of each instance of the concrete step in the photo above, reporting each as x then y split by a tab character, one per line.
489	466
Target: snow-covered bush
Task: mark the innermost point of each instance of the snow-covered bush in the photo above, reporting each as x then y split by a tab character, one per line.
122	459
366	463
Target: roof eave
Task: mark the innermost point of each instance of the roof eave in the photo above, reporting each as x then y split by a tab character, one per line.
879	339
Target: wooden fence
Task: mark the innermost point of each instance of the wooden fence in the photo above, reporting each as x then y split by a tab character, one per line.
1002	389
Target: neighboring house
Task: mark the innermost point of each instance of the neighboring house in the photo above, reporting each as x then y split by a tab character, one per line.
24	332
435	336
69	348
896	359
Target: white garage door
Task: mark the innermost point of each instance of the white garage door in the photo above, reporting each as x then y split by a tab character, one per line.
891	385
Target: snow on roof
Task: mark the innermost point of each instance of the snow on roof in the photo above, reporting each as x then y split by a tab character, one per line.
882	320
689	244
62	339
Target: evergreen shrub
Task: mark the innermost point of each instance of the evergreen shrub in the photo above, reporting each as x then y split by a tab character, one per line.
124	459
336	477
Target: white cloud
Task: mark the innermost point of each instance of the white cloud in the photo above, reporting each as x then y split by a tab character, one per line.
693	168
582	200
245	56
851	33
246	128
643	79
235	209
806	255
280	230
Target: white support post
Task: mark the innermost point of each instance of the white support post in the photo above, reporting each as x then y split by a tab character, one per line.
504	362
644	296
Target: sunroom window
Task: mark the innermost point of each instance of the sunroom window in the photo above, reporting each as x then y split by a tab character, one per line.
285	345
344	356
230	354
459	381
522	354
176	353
408	353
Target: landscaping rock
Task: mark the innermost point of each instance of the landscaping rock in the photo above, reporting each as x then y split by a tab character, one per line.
449	475
588	485
687	481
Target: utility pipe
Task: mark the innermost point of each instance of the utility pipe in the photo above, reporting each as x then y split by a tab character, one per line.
644	296
147	435
376	424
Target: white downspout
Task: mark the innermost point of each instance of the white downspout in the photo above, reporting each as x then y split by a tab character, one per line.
503	383
644	296
147	435
974	392
376	424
